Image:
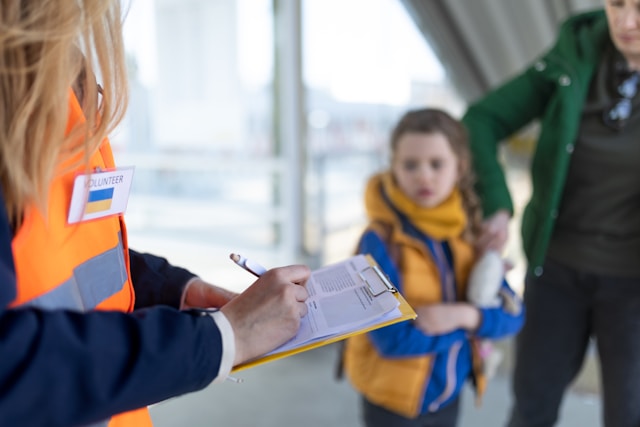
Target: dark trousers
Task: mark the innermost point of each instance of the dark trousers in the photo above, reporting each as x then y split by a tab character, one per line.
376	416
565	308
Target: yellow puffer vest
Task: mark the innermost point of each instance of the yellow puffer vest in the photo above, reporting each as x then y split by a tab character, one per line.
83	267
399	384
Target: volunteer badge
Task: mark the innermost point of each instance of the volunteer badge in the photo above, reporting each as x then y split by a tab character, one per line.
100	194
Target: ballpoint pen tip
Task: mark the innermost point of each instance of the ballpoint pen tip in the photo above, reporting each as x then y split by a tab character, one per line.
234	257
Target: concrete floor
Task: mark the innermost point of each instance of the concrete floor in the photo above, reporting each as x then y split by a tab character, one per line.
301	391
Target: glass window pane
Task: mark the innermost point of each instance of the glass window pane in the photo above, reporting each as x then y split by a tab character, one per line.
362	71
199	131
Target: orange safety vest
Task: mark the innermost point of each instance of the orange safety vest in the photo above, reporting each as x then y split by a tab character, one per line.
83	266
399	384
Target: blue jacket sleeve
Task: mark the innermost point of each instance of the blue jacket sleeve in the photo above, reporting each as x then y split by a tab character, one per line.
402	339
501	322
156	282
62	368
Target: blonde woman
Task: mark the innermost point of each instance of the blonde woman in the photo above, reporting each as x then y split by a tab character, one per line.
89	328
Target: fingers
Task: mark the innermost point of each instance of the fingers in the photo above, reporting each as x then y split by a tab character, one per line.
508	265
300	292
483	242
304	309
294	275
201	294
268	313
488	241
298	274
494	234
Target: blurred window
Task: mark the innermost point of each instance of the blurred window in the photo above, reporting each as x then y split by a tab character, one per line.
200	124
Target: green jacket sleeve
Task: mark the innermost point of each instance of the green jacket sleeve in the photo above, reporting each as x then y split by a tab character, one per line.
496	116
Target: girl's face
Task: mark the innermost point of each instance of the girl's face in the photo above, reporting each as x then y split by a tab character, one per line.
623	17
425	167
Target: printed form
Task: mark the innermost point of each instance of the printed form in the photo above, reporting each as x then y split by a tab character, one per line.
344	297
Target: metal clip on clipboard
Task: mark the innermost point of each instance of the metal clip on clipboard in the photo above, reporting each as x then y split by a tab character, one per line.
373	274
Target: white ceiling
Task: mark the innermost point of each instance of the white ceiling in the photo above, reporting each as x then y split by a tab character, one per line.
481	42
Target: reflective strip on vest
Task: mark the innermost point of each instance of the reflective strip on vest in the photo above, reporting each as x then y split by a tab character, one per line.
104	423
92	282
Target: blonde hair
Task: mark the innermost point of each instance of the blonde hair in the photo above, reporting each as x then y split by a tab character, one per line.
432	120
46	48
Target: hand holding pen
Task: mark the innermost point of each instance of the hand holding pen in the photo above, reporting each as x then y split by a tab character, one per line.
267	313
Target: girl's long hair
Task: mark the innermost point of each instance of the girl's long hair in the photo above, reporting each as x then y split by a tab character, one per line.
432	120
47	48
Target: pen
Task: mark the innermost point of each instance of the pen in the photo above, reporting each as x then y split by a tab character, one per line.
252	267
235	380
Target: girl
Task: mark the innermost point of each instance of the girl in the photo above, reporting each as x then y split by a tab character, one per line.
424	217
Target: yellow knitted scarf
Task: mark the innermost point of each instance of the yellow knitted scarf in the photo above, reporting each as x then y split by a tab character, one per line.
442	222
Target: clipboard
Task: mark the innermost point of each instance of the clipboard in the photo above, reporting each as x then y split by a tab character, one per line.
376	283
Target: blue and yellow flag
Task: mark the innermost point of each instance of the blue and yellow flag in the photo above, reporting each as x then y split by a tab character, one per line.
99	200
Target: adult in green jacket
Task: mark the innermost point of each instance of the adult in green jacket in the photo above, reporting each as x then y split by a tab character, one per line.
581	228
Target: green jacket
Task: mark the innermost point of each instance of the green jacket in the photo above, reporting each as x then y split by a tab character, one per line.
552	90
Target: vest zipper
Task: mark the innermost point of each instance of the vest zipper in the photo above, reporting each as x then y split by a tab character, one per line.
451	376
446	273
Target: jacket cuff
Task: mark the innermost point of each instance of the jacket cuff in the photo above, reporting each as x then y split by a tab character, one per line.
496	199
487	325
228	345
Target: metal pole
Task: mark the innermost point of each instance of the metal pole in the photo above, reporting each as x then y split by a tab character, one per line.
289	127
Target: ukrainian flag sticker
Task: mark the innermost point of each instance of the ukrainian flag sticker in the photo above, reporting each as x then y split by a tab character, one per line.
100	194
99	200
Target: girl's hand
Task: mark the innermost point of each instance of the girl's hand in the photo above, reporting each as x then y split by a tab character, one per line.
442	318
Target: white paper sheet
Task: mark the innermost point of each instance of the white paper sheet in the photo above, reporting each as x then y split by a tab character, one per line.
343	297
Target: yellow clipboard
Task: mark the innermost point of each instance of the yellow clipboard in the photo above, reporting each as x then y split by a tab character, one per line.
406	312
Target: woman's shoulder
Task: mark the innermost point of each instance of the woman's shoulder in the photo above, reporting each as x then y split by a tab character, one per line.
580	40
590	26
589	17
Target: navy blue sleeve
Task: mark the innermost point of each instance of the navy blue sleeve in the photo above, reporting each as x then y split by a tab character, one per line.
62	368
7	269
156	282
402	339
